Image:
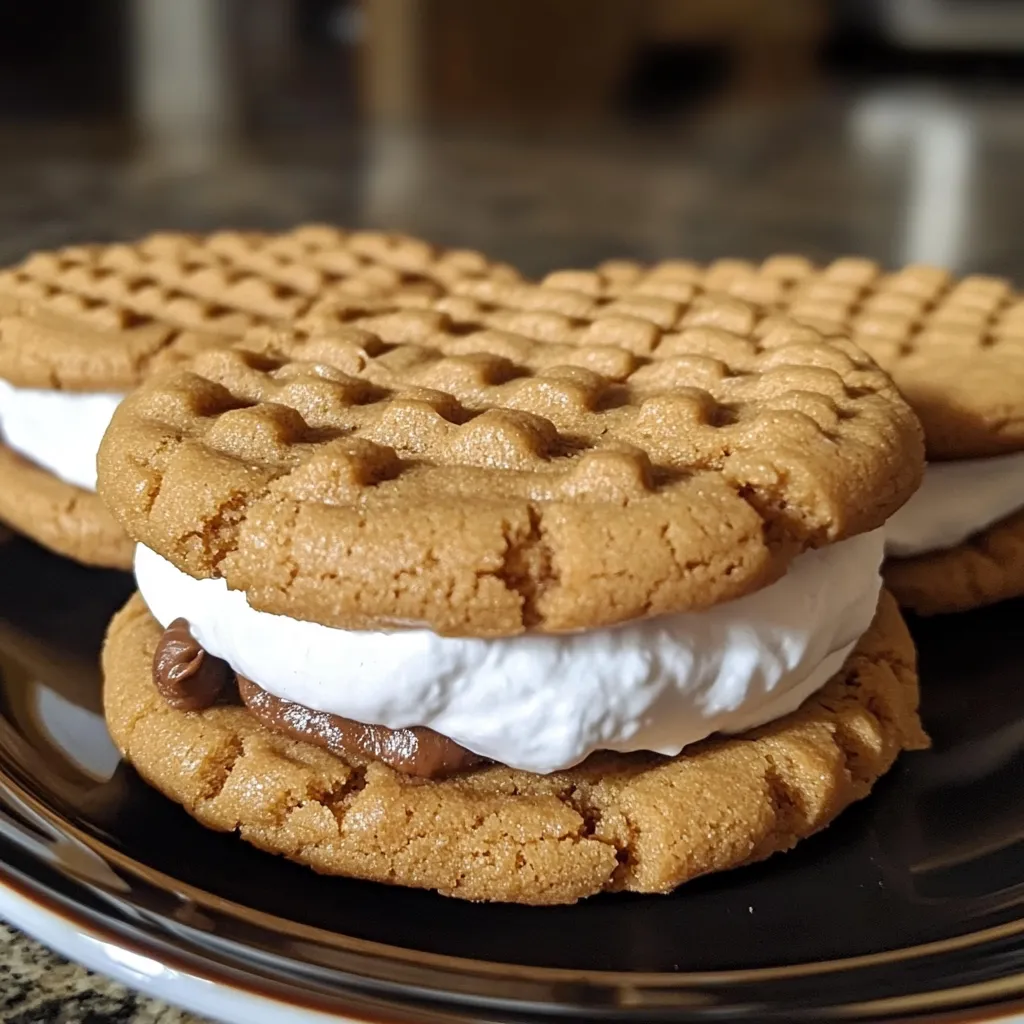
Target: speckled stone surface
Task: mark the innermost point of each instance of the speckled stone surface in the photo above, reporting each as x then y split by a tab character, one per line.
832	174
37	987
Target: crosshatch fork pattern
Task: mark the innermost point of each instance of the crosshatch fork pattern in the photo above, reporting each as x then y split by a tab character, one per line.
911	307
269	277
164	297
471	482
954	346
639	324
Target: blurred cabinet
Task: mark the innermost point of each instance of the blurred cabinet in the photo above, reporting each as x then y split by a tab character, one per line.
550	59
773	43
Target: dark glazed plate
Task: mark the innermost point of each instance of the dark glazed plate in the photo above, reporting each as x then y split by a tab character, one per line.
912	903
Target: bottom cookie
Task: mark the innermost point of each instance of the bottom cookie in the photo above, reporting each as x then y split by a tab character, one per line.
635	822
60	516
986	568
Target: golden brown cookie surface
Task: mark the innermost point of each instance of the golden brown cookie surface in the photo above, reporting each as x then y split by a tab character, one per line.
955	347
986	568
102	317
635	822
479	484
60	516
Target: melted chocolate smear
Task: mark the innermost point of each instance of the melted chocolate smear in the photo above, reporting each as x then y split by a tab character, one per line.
186	676
417	751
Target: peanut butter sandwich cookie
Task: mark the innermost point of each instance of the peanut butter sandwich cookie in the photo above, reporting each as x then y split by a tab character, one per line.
508	619
81	326
955	348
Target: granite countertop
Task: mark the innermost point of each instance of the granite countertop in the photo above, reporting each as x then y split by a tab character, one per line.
37	987
898	174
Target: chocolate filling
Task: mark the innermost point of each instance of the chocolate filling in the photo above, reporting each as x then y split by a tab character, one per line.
186	676
416	751
190	680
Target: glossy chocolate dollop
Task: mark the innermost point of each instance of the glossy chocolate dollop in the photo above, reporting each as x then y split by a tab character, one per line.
187	677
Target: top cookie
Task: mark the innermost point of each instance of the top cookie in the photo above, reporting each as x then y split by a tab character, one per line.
102	317
484	483
955	347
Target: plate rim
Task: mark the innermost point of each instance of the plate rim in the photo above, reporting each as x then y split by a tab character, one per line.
987	993
43	915
47	918
211	901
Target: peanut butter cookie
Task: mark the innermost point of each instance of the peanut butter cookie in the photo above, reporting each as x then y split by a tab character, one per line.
634	822
101	318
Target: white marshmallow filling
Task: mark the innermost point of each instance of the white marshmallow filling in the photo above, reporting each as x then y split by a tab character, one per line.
543	702
60	431
955	501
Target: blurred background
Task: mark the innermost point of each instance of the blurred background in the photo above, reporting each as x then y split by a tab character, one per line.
546	132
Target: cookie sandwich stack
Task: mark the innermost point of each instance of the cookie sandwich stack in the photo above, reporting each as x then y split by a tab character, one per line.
82	326
955	348
453	607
